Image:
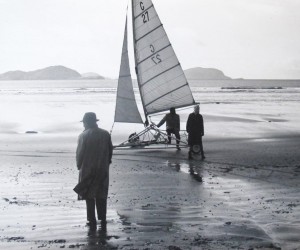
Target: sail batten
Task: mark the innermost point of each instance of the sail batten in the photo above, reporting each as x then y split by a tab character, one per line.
161	80
160	74
149	33
154	53
174	90
144	10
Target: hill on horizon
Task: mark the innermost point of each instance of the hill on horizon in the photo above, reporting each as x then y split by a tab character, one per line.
91	75
199	73
50	73
63	73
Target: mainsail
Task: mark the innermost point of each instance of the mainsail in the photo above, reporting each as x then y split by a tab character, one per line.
126	107
161	80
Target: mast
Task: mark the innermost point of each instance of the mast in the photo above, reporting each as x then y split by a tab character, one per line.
135	62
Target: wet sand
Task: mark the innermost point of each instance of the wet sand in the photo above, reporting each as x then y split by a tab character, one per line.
244	195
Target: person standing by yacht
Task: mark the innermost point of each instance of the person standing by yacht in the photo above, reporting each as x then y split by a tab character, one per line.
172	126
195	130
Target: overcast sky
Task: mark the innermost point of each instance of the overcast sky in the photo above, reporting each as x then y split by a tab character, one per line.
243	38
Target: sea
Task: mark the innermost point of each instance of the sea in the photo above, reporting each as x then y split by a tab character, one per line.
285	90
204	91
55	106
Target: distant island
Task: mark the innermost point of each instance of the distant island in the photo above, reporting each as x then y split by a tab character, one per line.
205	74
49	73
63	73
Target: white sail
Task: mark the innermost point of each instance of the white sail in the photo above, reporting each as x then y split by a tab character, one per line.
161	80
126	107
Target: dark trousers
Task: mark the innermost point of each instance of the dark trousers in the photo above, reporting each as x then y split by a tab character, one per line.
176	133
100	204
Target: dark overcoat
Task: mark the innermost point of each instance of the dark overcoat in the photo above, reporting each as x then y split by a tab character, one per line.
93	157
195	128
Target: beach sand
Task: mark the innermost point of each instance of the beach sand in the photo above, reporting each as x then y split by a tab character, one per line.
248	197
244	195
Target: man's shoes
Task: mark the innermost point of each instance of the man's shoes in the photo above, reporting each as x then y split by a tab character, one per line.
178	148
203	157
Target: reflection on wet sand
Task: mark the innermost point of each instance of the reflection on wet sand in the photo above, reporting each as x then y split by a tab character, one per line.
192	167
150	221
99	239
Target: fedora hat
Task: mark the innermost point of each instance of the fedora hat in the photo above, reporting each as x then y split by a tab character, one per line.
89	117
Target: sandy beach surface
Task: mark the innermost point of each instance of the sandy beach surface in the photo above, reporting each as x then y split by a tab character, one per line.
245	200
244	195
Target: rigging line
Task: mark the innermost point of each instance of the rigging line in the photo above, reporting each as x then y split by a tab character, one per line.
160	74
148	33
154	54
111	128
166	94
135	17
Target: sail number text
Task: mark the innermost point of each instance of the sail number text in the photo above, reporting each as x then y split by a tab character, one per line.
145	14
145	17
155	58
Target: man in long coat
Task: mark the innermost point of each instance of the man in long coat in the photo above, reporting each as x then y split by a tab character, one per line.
195	129
93	157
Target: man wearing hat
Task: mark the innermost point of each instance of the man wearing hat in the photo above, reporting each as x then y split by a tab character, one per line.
93	157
